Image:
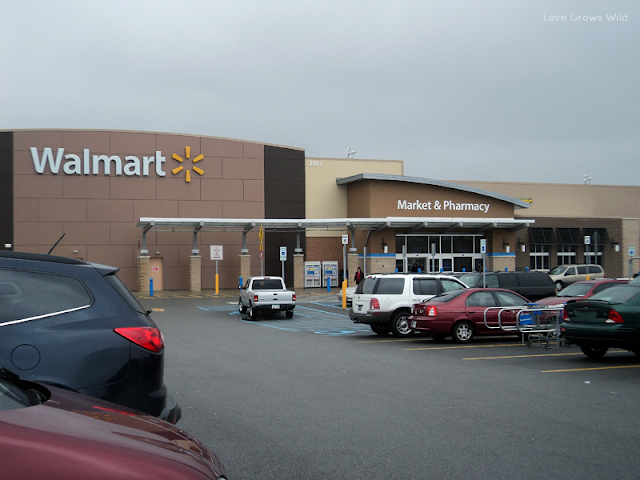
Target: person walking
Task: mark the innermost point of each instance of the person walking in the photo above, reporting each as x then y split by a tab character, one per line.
359	276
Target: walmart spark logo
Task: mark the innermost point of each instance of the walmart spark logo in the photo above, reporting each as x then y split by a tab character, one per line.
177	170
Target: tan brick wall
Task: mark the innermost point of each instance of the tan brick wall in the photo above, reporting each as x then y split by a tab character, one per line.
298	271
244	267
195	273
144	273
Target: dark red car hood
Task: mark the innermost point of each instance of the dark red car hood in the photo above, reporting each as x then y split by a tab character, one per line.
74	437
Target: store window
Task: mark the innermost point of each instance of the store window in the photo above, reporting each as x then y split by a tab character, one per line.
539	257
567	255
590	257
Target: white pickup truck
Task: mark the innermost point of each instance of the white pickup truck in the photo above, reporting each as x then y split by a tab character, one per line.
266	294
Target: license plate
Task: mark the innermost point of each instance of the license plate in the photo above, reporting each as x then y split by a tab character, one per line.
275	307
359	308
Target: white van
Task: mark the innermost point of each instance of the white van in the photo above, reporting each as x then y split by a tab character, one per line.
567	274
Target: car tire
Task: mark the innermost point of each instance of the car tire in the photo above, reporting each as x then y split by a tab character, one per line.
594	352
241	307
559	286
462	332
289	313
400	325
380	330
253	315
438	337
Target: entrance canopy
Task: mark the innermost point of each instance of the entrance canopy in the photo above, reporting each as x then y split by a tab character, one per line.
413	224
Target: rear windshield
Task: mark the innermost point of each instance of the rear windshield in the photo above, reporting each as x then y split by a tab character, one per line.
446	296
620	294
575	290
267	284
366	287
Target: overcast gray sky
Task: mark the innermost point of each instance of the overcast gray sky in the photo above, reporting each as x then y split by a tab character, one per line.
459	90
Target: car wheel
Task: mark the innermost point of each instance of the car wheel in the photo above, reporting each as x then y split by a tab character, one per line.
438	337
559	285
380	330
253	315
593	352
462	332
289	313
241	307
400	325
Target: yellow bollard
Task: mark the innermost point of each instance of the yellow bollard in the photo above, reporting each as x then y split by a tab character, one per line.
217	283
344	294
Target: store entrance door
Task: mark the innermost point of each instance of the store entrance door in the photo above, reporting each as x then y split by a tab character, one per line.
155	265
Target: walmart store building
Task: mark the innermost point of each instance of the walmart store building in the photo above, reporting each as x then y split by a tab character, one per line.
154	205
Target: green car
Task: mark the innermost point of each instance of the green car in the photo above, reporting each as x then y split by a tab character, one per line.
609	319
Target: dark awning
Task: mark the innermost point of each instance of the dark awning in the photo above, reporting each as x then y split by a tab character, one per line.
542	236
570	236
598	236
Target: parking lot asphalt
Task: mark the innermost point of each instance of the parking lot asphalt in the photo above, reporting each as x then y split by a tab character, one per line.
317	396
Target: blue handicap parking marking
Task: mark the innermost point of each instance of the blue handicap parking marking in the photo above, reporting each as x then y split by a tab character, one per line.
308	318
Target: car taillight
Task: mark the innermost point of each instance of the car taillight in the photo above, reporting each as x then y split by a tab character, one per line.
374	304
614	317
147	337
255	298
294	297
565	315
432	311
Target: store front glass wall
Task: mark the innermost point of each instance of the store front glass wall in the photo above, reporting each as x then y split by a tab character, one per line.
438	253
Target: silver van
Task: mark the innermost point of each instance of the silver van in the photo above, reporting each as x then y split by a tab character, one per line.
567	274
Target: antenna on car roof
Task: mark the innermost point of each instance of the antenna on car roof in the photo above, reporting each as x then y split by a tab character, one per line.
54	245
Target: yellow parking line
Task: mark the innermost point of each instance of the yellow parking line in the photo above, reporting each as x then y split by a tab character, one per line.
587	369
461	346
394	340
524	356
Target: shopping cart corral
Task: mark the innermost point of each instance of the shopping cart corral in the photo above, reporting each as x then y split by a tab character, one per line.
538	325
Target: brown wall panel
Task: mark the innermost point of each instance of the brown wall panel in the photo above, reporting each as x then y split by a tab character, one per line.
243	168
152	208
115	255
85	186
220	189
87	233
25	209
25	139
243	209
62	210
218	147
200	209
131	143
110	211
36	233
134	188
37	186
176	188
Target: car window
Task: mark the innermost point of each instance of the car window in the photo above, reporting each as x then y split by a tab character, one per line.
620	294
425	286
390	286
508	280
575	290
604	286
507	299
267	284
471	280
582	270
557	271
33	294
124	292
366	287
446	296
594	269
481	299
448	284
570	271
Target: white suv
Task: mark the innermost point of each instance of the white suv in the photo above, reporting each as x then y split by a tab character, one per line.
384	301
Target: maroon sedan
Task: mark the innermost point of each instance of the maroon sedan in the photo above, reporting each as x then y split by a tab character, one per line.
60	435
581	290
461	313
